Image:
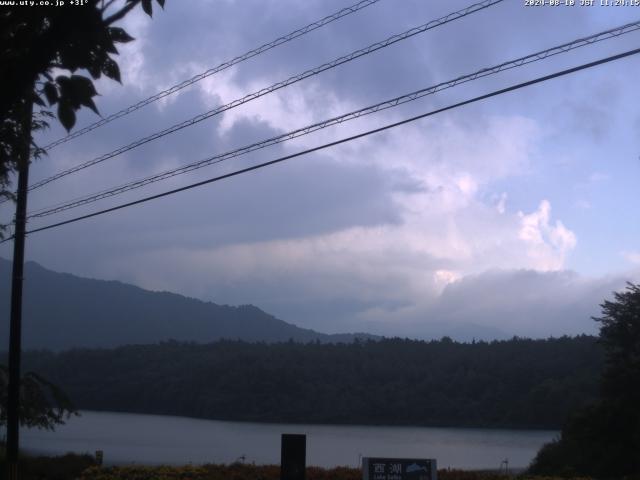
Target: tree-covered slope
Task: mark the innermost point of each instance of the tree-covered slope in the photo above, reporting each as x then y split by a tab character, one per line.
516	383
63	311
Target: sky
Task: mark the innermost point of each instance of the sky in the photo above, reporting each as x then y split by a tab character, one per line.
511	216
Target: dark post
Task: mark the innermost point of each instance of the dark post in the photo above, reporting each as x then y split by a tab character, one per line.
293	457
15	329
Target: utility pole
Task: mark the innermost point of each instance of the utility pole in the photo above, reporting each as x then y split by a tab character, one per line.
15	329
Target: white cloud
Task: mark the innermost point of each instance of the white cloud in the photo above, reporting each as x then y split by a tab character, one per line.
528	303
395	272
448	228
547	245
632	257
501	206
440	220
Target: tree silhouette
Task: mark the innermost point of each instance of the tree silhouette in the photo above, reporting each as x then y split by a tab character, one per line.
42	404
620	335
35	42
604	440
38	41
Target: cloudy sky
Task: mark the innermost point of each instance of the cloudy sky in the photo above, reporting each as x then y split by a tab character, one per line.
513	216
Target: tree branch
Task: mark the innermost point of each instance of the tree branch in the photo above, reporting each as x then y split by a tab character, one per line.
106	7
121	13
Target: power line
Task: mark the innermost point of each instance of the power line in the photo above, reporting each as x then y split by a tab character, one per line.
276	86
344	140
223	66
534	57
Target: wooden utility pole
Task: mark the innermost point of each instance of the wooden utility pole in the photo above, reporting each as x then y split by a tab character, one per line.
15	329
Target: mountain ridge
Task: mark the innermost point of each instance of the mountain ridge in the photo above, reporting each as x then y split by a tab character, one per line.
96	313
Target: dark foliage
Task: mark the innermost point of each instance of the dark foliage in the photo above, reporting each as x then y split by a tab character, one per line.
65	467
603	440
240	471
38	40
620	335
35	41
516	383
42	404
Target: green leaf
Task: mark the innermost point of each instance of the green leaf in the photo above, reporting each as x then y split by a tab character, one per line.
71	57
94	69
110	69
88	102
51	92
110	47
76	91
83	86
66	90
147	7
66	115
37	100
62	80
119	35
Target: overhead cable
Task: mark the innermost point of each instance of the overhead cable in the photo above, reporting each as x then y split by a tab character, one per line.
223	66
534	57
276	86
338	142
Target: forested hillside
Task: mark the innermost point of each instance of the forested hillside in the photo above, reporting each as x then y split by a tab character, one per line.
515	383
65	311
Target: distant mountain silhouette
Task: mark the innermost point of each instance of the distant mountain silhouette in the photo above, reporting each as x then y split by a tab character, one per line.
63	311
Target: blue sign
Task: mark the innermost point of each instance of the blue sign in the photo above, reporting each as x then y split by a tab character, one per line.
399	469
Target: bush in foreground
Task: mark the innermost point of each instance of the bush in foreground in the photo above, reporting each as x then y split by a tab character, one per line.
603	440
264	472
83	467
65	467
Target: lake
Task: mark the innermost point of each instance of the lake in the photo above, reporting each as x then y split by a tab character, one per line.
129	438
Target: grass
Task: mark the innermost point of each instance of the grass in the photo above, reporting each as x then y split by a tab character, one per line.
33	467
83	467
247	472
262	472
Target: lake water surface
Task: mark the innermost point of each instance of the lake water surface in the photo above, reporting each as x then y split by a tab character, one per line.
151	439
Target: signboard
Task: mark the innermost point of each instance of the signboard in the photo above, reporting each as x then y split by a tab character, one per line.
293	457
399	469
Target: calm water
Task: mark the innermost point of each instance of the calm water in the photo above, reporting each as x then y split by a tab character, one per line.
152	439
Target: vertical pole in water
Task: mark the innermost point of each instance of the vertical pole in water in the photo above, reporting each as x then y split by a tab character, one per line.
15	328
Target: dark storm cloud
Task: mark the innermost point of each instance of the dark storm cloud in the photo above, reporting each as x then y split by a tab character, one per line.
321	194
315	196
